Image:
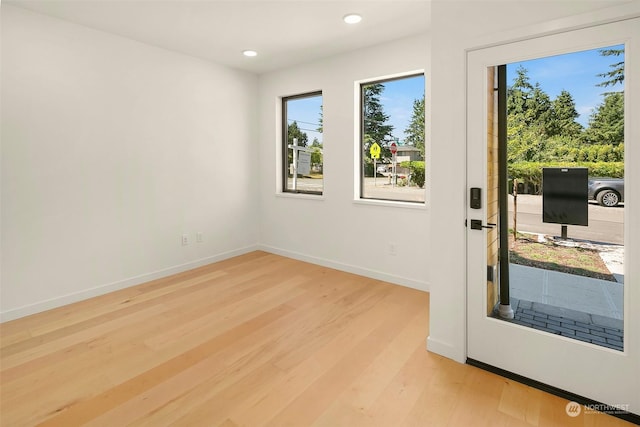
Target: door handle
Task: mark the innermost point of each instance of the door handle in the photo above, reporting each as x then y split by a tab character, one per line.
476	224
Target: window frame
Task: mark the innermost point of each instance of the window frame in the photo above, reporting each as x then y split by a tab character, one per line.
360	141
285	146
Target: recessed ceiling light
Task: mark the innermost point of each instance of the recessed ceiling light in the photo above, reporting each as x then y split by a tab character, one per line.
352	18
249	53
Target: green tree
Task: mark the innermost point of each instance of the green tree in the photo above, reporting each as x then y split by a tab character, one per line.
519	92
538	108
616	74
293	131
606	124
526	143
541	130
415	130
321	120
564	115
376	128
526	105
316	153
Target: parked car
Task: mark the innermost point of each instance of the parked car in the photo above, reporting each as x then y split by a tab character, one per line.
606	191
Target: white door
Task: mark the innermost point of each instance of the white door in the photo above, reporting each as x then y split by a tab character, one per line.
599	373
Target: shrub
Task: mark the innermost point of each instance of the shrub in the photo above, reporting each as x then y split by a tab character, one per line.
417	172
368	169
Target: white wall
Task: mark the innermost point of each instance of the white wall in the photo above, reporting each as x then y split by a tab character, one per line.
111	150
334	230
477	23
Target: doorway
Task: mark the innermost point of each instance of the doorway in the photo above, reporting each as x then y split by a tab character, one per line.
511	320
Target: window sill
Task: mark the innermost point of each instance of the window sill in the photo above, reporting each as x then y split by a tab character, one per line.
391	203
300	196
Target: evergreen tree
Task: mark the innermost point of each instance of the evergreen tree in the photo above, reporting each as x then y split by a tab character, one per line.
528	104
415	130
541	130
538	108
616	74
376	128
529	113
293	131
564	116
519	92
606	124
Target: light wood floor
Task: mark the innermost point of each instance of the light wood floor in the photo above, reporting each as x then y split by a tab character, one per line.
251	341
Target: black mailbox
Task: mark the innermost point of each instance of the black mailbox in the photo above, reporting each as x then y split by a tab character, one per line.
565	196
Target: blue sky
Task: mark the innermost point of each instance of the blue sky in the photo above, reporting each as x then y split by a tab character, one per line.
573	72
306	112
397	100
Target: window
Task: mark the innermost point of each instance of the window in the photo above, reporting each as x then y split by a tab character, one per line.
562	212
302	144
392	139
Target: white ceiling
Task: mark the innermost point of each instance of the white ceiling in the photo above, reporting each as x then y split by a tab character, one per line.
284	33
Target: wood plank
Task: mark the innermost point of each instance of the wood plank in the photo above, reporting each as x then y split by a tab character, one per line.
255	340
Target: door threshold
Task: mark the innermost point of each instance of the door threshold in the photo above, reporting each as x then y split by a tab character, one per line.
584	401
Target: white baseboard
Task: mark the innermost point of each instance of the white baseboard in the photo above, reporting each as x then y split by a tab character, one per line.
397	280
60	301
446	350
56	302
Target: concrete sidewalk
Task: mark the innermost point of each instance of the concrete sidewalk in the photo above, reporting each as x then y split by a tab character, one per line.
577	293
581	308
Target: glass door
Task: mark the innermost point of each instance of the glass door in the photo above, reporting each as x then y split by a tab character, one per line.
550	295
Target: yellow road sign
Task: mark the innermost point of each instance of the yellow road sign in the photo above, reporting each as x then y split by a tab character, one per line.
374	151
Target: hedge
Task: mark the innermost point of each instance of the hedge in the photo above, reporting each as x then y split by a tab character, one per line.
531	172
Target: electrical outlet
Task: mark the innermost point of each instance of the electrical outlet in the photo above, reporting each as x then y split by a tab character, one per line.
199	237
393	249
185	239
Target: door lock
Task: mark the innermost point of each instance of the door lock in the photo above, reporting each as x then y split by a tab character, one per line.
476	224
475	200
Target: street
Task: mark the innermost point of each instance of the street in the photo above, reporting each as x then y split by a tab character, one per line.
605	224
381	188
